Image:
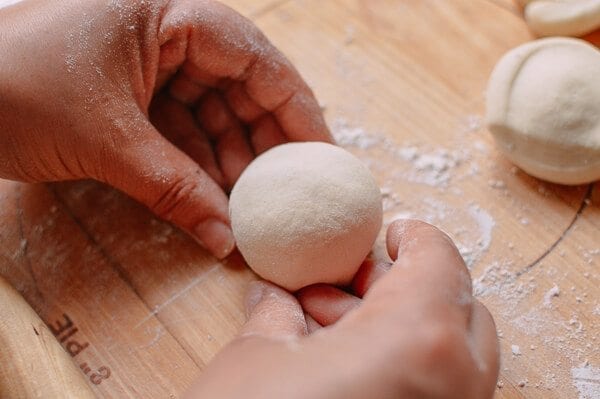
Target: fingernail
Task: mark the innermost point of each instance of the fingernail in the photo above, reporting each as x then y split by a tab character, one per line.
215	236
256	292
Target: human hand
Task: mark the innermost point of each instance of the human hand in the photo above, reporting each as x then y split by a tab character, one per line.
167	101
412	330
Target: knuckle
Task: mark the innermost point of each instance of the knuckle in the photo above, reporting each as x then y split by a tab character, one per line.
175	197
447	359
442	343
438	350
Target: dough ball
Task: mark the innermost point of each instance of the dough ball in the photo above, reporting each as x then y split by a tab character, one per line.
305	213
562	17
543	108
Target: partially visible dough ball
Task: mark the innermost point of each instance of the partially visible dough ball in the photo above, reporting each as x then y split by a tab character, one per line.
305	213
562	17
543	108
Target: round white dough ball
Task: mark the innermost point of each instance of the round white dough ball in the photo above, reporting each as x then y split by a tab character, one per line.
305	213
543	108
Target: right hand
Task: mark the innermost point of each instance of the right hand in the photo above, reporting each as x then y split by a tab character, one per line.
409	330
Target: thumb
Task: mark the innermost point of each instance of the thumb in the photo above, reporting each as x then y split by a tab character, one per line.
273	312
153	171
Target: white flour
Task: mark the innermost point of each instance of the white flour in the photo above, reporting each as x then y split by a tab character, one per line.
353	136
440	173
552	292
587	381
6	3
433	168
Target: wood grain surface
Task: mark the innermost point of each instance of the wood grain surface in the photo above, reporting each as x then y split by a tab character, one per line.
34	365
402	84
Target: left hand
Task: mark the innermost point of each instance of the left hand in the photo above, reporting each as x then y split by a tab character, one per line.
166	100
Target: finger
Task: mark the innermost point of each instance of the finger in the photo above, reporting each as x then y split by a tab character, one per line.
233	150
369	272
428	273
199	76
155	172
325	303
234	153
266	133
242	105
265	130
176	123
483	343
185	90
224	44
272	312
301	117
214	115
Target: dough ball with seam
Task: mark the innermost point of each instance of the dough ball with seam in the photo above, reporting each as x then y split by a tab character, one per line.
543	108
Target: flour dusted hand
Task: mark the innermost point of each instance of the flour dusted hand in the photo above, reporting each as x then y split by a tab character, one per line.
305	213
167	101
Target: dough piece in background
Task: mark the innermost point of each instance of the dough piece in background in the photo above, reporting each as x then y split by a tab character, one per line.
543	109
562	17
305	213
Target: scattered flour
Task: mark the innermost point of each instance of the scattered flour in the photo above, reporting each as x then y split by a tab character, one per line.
587	381
485	223
590	255
347	135
6	3
391	200
499	279
473	123
433	168
552	292
439	173
516	350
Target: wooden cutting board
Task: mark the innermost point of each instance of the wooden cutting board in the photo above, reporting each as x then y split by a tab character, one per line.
142	309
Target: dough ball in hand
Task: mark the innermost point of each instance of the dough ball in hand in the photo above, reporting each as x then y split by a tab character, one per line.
543	108
305	213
